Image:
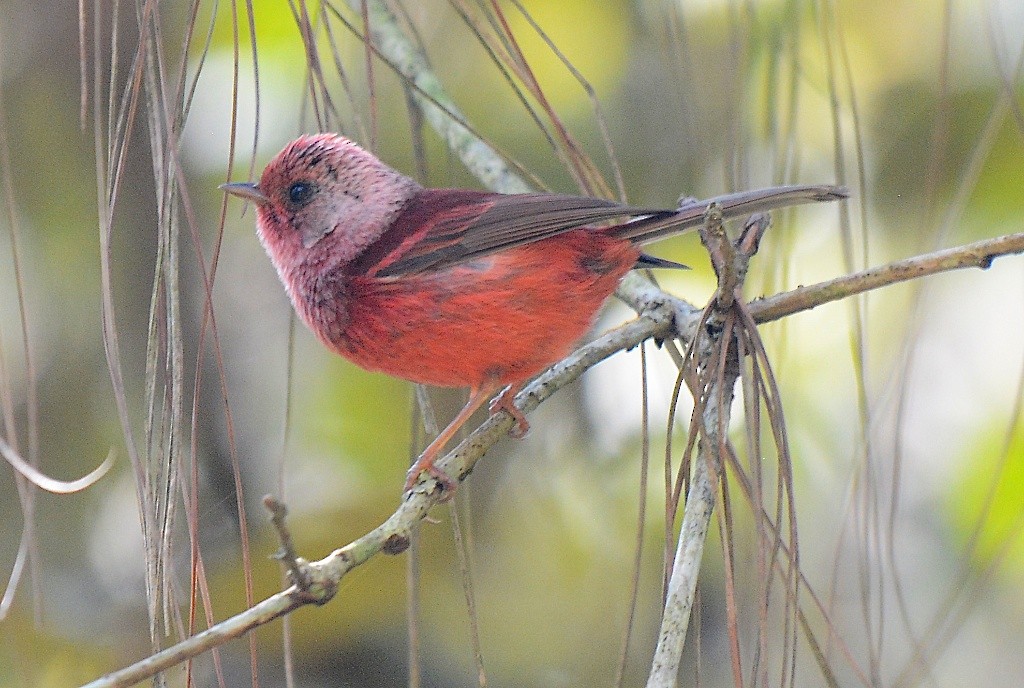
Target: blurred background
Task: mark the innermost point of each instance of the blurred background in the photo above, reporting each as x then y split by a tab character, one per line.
902	408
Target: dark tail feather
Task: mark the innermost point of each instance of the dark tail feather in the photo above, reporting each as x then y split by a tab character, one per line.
690	213
646	261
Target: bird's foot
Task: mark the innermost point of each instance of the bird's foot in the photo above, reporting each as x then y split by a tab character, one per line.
445	481
503	402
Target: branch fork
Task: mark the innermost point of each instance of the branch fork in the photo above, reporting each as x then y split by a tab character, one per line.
715	357
311	584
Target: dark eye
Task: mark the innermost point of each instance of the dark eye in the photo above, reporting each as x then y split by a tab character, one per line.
300	193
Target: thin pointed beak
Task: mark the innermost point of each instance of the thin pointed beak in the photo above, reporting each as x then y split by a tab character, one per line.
246	190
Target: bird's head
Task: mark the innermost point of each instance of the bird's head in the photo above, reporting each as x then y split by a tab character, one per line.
323	196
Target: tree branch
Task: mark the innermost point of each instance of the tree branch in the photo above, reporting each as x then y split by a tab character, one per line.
980	254
392	536
661	316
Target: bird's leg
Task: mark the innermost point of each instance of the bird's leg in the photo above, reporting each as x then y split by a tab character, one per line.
503	402
425	462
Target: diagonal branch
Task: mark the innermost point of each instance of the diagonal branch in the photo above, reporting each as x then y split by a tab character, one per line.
661	316
392	536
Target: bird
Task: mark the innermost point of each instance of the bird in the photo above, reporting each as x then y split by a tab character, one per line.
455	287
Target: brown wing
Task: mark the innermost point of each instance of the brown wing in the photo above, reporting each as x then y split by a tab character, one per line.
439	228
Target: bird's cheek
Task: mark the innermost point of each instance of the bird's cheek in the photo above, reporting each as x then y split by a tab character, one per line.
312	235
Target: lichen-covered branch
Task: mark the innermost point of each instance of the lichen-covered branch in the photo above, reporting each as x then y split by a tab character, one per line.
979	254
662	316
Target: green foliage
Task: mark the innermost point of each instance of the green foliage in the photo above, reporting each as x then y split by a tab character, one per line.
986	508
361	418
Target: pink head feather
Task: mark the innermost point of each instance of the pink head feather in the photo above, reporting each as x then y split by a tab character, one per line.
327	200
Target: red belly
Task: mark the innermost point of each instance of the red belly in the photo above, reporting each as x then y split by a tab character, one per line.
502	318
